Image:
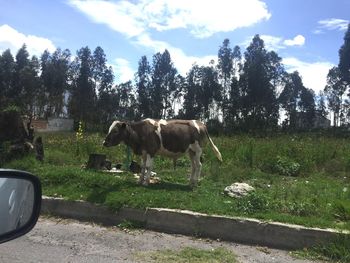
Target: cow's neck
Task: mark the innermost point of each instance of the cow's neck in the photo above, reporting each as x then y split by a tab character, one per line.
132	139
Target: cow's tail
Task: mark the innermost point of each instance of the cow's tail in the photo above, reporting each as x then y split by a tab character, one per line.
213	146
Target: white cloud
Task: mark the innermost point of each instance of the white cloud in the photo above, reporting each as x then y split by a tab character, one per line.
123	70
123	16
276	43
272	42
299	40
314	74
181	61
12	39
318	31
334	24
202	19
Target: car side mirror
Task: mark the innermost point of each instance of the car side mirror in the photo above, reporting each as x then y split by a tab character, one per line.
20	203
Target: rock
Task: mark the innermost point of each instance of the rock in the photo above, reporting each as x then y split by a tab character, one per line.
238	190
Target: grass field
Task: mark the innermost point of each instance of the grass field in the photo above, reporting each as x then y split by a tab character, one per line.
301	179
298	179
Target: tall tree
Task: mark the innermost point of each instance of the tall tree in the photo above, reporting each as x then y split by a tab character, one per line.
191	106
163	85
232	116
344	57
202	90
321	104
103	78
55	74
261	70
344	68
225	65
126	98
225	69
143	85
30	76
46	76
7	69
18	85
83	95
106	104
307	107
290	96
98	68
210	90
334	91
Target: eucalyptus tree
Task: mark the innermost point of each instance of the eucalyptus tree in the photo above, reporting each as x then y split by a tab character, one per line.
260	73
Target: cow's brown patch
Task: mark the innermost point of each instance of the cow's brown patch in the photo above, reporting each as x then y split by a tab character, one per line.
177	135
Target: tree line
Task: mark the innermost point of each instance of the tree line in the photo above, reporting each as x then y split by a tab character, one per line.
245	91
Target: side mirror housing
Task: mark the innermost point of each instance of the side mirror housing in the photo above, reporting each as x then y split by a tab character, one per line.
20	203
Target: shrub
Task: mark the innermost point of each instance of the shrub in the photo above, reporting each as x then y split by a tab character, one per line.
287	167
253	203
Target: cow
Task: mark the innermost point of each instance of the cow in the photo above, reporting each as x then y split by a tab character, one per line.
170	138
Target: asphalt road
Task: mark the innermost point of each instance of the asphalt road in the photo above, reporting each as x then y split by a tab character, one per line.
58	240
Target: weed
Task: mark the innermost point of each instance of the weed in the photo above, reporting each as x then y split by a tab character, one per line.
342	210
253	203
336	250
189	254
130	225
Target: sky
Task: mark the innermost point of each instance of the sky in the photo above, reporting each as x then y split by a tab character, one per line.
306	34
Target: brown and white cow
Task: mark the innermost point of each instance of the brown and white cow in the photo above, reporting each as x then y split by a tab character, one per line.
171	138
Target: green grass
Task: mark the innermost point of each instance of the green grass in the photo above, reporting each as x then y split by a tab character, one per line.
301	179
188	255
335	251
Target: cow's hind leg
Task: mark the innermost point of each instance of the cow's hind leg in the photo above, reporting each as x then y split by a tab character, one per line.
196	163
143	168
149	164
192	155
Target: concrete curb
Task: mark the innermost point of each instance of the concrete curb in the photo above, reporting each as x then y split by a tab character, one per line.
241	230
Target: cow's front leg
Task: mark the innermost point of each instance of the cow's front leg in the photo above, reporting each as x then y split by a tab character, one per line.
149	164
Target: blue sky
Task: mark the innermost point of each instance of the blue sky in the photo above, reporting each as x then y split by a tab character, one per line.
307	34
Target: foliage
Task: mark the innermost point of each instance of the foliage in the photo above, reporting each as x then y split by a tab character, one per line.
334	91
243	94
344	57
260	73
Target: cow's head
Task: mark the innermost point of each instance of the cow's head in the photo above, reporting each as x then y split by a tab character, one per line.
116	134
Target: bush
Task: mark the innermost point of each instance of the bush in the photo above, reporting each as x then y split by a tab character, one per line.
285	166
253	203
